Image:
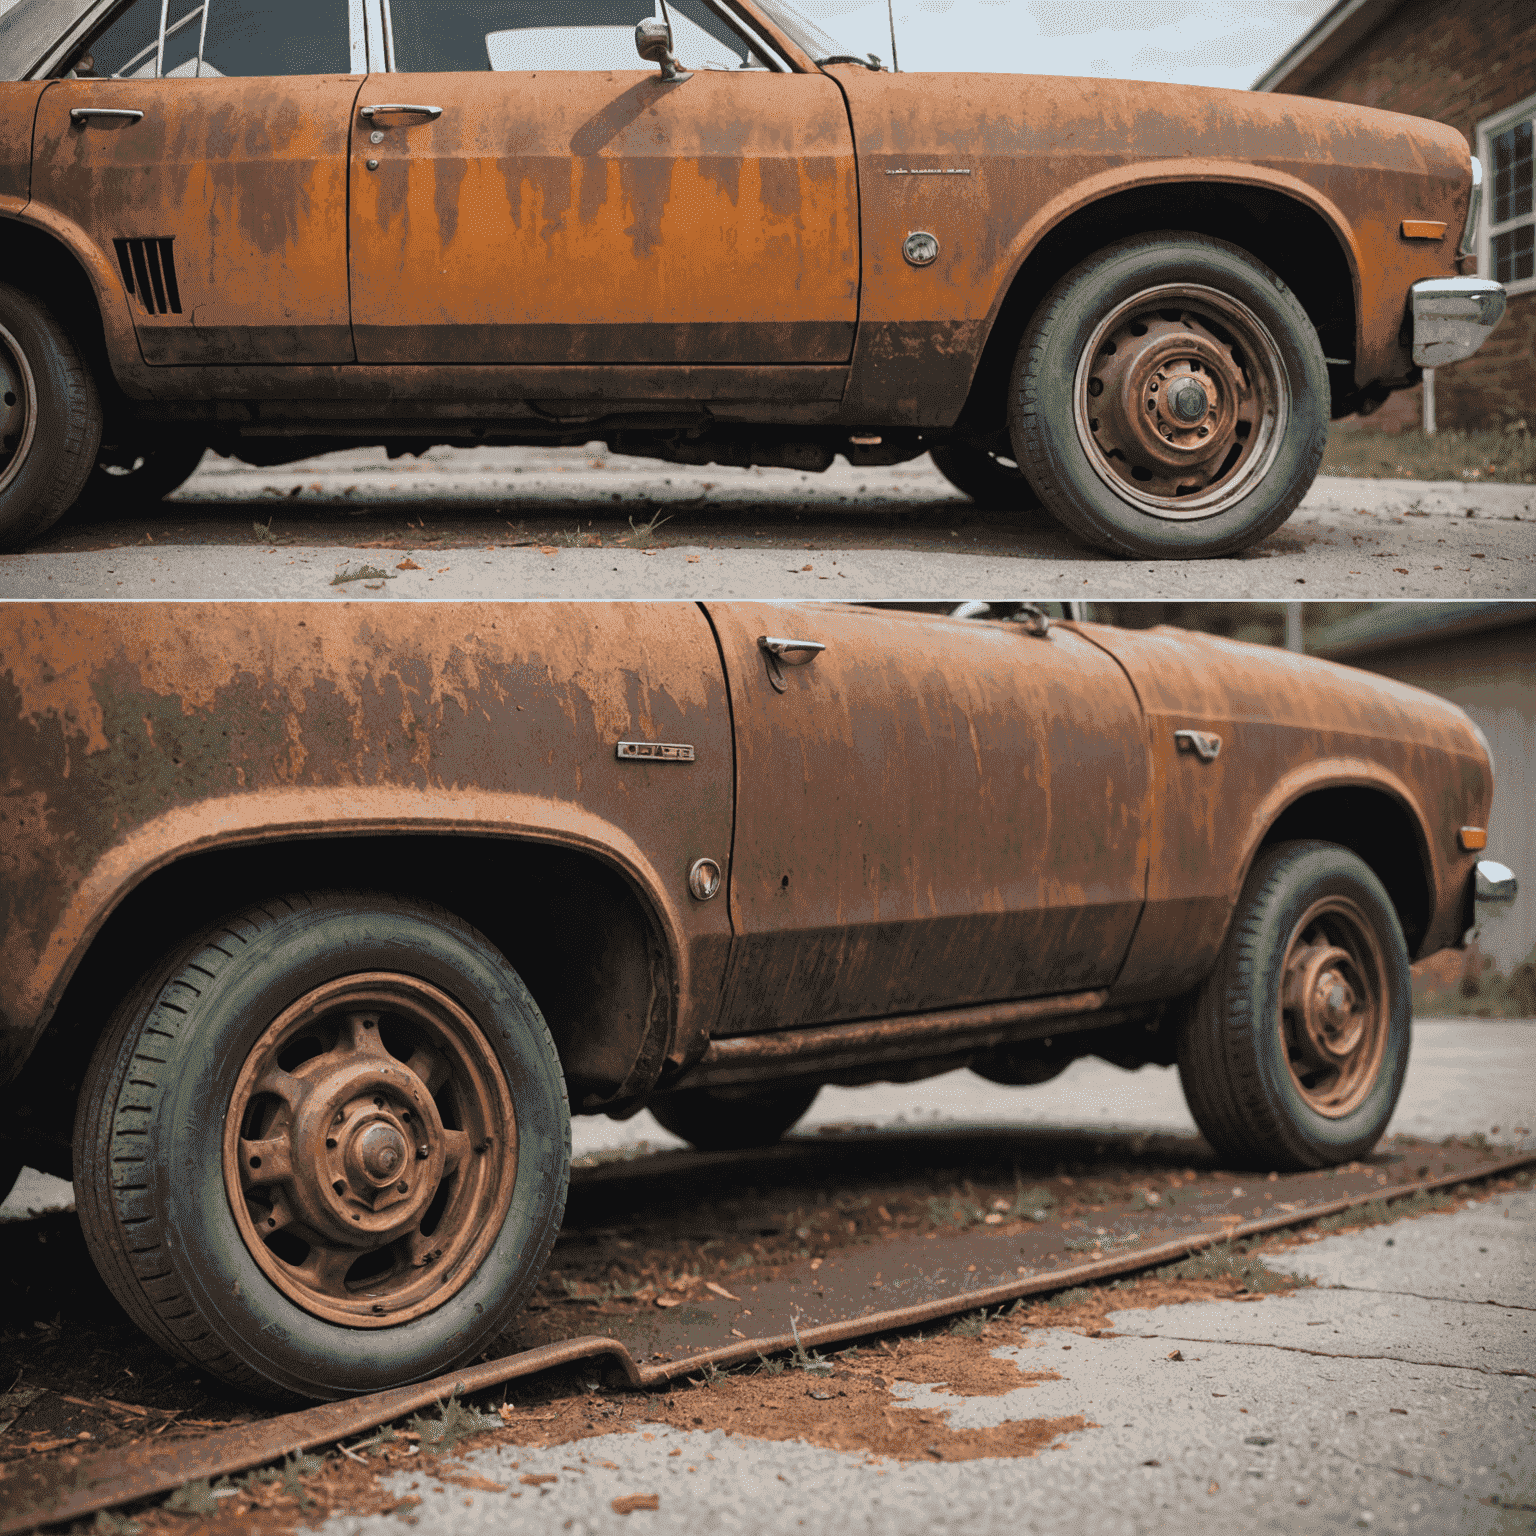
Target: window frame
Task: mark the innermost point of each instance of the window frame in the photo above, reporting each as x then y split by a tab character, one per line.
768	47
1487	131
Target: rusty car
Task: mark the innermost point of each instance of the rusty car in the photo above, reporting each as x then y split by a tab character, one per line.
276	229
320	921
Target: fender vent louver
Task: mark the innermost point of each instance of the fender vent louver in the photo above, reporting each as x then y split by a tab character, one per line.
149	271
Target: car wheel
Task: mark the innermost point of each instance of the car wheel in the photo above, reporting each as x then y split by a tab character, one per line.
715	1121
1292	1053
1170	399
324	1147
130	477
50	420
991	477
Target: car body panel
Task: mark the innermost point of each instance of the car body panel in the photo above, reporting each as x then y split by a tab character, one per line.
134	736
18	109
932	813
606	217
991	163
1288	725
246	177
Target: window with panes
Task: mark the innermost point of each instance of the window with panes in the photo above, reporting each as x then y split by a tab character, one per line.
1507	243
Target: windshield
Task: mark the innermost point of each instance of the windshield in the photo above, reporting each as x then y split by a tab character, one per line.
801	29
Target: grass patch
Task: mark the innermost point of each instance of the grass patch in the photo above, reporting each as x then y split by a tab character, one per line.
454	1423
1226	1261
1504	457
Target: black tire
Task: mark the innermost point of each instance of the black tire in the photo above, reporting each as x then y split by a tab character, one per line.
11	1164
50	420
991	478
1118	467
130	478
715	1121
150	1149
1252	1092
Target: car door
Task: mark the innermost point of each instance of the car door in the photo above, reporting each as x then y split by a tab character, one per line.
205	154
931	812
539	195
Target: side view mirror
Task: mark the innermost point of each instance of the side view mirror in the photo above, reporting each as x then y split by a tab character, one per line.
653	42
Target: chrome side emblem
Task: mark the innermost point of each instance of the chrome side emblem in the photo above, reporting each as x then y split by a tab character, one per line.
704	879
655	751
1203	744
920	248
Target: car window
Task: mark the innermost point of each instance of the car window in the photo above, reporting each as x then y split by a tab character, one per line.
440	35
222	37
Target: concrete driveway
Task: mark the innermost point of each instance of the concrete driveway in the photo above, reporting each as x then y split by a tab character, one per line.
580	522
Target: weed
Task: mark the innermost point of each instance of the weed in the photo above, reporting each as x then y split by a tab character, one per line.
643	535
454	1423
1078	1293
767	1367
802	1360
362	573
969	1325
192	1499
108	1523
1224	1261
1034	1203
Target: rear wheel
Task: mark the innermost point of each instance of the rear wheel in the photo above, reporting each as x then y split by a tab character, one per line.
990	476
714	1120
1292	1053
1170	399
50	420
324	1147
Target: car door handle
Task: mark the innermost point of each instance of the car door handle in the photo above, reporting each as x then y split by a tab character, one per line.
781	653
393	107
82	115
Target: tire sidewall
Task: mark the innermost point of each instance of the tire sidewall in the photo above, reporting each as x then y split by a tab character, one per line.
254	1320
52	475
1046	372
1319	871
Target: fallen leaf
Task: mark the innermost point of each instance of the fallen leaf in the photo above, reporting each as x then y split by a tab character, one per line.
407	565
805	567
1214	1488
669	1301
533	1479
1401	570
1177	1354
693	559
720	1290
548	549
628	1503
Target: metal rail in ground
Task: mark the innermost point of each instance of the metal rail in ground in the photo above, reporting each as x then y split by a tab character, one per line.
133	1473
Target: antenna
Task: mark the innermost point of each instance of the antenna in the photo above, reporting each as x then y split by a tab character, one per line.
890	11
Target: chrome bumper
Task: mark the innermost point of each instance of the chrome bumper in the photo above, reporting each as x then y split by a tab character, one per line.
1452	317
1494	882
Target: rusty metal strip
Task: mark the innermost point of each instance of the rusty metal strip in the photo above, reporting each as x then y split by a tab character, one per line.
123	1477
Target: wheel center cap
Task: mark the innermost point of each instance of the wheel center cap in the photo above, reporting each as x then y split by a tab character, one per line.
380	1152
1188	402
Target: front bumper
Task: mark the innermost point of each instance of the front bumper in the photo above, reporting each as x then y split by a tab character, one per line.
1452	317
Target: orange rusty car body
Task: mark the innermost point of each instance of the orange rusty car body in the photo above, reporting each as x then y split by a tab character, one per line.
701	269
943	837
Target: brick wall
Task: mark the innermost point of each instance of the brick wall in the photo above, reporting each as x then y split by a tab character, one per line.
1458	61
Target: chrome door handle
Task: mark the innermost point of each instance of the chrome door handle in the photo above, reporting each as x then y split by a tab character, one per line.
782	653
391	107
1204	744
81	115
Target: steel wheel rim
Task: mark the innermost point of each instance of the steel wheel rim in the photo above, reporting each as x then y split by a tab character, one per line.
328	1120
1334	1007
1127	387
18	408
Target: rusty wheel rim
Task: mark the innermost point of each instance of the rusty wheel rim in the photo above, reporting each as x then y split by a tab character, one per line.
1334	1002
18	407
1181	399
370	1150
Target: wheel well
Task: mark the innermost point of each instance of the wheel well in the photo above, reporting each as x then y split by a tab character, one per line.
42	265
1382	832
573	928
1291	239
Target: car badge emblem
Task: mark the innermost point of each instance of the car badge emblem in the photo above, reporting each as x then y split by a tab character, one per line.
655	752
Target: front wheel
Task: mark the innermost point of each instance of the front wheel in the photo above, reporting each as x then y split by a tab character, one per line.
324	1147
1170	399
1293	1051
989	475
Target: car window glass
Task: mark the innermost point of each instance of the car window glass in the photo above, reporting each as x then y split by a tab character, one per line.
440	35
227	37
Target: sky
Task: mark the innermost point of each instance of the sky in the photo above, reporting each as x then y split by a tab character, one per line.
1186	42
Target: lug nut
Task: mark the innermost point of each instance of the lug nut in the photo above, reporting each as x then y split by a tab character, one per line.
403	1187
422	1154
340	1186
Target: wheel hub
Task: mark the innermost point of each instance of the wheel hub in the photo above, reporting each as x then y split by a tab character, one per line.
1180	400
1333	1008
353	1192
18	418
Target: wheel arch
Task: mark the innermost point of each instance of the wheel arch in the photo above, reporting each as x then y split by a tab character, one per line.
578	926
1379	827
1304	242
